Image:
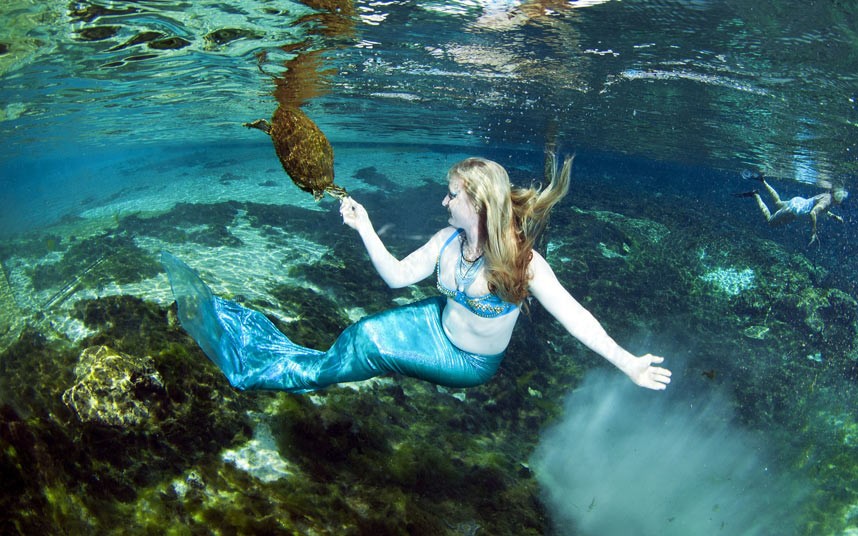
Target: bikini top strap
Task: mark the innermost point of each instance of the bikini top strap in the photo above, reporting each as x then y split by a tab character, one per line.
447	243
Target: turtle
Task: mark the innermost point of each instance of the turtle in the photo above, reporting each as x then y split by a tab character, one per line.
303	150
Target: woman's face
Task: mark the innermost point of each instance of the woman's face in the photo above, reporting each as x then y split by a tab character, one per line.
459	205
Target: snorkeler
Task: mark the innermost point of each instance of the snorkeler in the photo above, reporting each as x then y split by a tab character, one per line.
797	207
485	268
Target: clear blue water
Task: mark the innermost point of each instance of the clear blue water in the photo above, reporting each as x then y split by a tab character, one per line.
110	113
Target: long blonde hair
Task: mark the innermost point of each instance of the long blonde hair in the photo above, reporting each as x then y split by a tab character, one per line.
511	219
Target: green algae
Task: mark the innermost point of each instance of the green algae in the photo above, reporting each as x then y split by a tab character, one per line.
206	225
91	262
349	479
83	470
318	319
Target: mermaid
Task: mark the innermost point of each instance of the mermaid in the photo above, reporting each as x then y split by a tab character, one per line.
485	268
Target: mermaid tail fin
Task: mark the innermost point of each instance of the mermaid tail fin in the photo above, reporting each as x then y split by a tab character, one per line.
250	351
196	305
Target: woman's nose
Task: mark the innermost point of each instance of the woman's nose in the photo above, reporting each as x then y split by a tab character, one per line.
445	201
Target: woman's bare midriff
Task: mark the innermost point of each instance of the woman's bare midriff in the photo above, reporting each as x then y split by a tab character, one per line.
471	333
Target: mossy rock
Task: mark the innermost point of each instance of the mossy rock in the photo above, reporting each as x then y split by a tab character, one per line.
116	389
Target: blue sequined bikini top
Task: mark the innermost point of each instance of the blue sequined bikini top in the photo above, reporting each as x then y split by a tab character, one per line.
488	306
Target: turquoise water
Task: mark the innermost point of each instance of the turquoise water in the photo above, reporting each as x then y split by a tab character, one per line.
123	137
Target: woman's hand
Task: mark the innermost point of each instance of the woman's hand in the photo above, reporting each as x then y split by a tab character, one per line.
354	215
643	373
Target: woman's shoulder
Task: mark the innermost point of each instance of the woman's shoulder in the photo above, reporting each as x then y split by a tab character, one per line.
538	265
440	238
444	234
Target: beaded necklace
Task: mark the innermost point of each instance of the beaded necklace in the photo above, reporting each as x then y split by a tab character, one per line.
466	271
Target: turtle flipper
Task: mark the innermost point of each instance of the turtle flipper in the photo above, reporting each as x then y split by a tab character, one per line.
261	124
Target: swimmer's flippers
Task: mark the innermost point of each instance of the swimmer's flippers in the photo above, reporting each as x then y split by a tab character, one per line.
752	193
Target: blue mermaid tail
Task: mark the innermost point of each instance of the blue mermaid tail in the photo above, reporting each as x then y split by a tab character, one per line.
253	354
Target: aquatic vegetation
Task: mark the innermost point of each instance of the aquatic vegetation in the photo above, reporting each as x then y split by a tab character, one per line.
756	342
318	320
37	427
89	262
393	455
125	323
11	316
342	444
639	228
34	372
206	225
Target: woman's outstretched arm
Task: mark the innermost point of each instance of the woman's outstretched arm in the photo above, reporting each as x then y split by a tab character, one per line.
582	325
396	273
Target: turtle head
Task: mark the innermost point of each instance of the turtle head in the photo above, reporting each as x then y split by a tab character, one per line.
337	192
260	124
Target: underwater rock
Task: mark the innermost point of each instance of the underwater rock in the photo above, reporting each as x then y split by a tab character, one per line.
758	332
114	389
730	281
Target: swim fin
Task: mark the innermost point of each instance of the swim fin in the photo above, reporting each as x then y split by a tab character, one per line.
752	193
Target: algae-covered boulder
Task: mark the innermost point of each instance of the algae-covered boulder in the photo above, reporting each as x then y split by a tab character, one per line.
115	389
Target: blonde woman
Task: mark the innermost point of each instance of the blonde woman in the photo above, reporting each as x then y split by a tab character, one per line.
485	267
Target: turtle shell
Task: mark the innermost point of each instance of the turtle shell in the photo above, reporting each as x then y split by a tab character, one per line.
304	152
